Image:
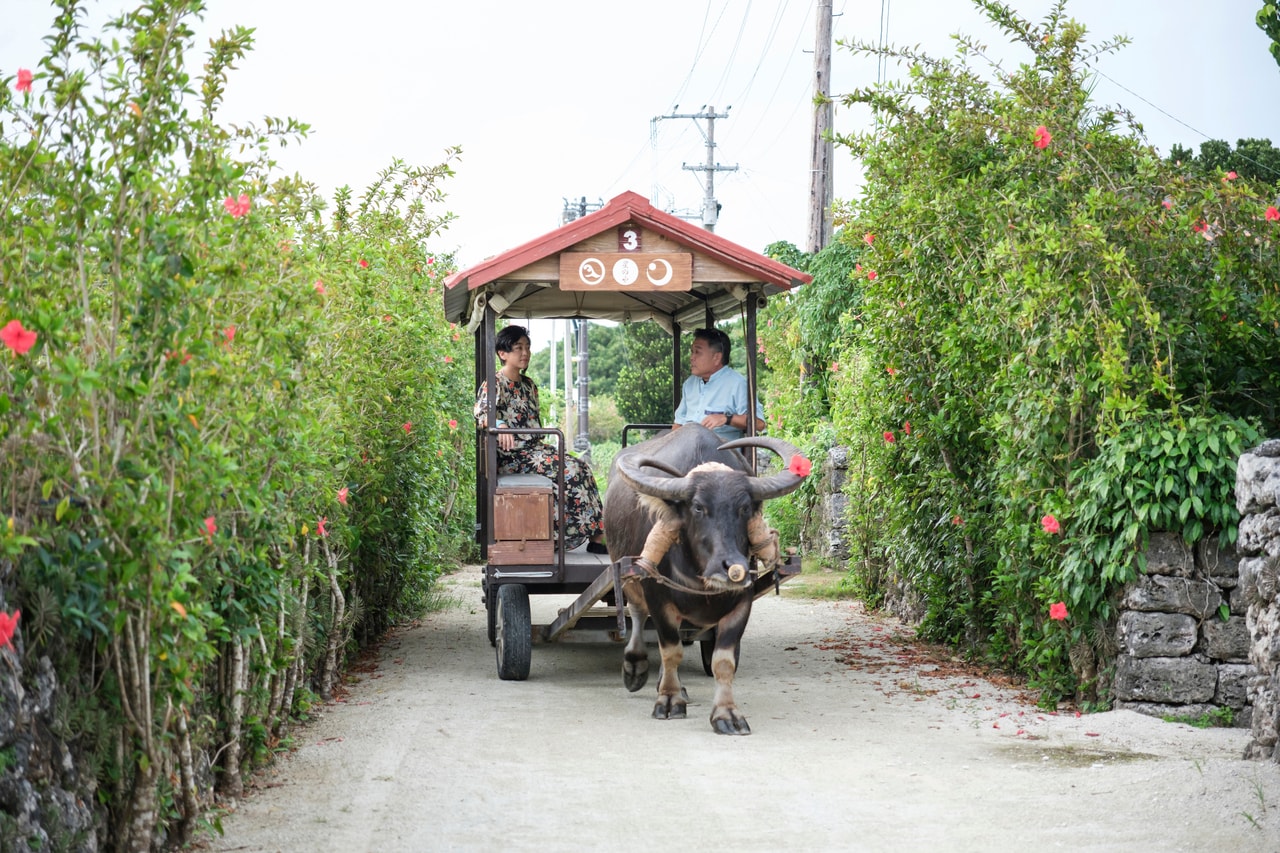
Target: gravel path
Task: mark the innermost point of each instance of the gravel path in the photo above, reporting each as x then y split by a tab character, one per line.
861	740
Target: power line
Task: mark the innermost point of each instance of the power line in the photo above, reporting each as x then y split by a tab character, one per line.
764	51
882	61
702	46
733	55
782	78
1168	114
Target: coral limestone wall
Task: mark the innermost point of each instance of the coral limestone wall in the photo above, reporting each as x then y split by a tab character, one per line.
1258	499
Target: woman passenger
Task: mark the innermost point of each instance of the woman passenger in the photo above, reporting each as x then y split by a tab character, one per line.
517	406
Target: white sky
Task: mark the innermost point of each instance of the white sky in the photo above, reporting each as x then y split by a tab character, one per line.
554	99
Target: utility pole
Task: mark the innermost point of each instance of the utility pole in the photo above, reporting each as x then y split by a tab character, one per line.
574	210
578	209
710	207
821	184
582	441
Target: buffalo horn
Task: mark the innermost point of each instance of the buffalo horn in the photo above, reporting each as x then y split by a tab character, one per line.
665	488
775	485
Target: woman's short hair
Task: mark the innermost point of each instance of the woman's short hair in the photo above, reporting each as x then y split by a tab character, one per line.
509	337
715	339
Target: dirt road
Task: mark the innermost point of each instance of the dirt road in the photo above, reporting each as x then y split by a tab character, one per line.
860	741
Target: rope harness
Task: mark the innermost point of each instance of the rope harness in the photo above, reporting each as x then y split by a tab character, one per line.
666	532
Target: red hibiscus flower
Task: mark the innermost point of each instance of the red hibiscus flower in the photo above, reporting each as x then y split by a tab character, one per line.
800	466
1273	214
453	423
1043	137
237	207
364	265
342	495
408	426
24	80
210	526
869	238
906	427
1050	525
1058	611
8	624
320	523
888	436
320	287
230	334
16	338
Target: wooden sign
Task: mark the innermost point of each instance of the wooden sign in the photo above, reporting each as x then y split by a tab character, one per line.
633	271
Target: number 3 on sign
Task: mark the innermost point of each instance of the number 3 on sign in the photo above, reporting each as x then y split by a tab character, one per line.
628	240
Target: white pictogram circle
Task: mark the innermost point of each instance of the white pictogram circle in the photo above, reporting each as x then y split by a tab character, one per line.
626	271
658	282
591	271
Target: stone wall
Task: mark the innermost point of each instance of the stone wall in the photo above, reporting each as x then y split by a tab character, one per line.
45	799
829	536
1258	500
1182	636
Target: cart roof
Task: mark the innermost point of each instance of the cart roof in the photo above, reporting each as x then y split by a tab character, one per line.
526	282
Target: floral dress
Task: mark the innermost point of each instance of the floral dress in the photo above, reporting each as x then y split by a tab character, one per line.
517	406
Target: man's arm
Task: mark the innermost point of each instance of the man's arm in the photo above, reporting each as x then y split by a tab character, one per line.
682	413
740	422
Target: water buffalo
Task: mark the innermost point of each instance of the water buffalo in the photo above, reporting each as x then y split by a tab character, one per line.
690	506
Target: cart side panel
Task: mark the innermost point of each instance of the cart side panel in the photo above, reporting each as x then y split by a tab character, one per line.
522	528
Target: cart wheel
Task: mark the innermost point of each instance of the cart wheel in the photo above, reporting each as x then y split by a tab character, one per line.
514	641
491	615
708	647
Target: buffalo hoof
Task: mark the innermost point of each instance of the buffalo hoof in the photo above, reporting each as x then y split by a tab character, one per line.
729	722
670	708
635	673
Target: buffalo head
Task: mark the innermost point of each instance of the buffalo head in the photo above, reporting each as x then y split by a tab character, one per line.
712	507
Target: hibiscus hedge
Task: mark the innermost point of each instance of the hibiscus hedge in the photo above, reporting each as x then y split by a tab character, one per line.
1051	343
226	448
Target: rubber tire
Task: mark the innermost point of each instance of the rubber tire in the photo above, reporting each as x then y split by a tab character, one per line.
491	614
514	642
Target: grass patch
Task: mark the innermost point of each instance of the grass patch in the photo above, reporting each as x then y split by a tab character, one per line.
1218	718
818	581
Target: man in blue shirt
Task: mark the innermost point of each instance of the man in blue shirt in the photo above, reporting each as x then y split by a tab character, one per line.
715	395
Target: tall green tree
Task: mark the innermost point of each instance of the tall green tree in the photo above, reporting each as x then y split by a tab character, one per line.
1269	22
1251	159
644	380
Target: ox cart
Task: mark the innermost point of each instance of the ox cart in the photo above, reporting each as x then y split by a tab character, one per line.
626	262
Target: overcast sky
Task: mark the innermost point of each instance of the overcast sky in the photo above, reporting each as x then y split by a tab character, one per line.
556	99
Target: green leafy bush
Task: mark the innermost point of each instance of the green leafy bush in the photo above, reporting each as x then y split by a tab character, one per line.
1042	297
228	452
